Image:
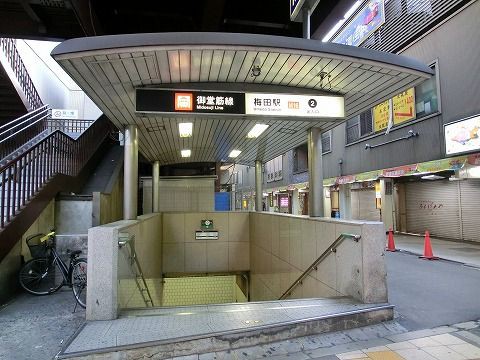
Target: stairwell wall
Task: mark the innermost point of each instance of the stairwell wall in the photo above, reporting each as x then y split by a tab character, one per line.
11	264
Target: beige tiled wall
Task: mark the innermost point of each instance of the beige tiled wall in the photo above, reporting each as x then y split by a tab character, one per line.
201	290
183	254
283	246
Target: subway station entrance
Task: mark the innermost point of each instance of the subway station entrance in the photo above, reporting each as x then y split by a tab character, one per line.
193	97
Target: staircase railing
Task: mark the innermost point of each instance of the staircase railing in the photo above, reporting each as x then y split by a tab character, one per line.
331	249
22	177
128	242
69	126
10	51
22	130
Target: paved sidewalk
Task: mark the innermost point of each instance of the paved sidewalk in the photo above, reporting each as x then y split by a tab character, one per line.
387	341
467	253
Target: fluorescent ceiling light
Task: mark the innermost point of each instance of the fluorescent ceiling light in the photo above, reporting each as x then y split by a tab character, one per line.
234	153
432	177
186	153
185	129
257	130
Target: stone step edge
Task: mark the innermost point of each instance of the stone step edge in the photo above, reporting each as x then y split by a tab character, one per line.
238	338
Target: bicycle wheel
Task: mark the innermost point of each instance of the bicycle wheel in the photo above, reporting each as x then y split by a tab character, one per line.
79	281
38	277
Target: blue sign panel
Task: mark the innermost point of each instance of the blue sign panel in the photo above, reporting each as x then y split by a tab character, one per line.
369	19
295	6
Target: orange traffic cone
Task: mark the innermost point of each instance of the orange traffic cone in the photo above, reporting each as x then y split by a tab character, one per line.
391	242
427	252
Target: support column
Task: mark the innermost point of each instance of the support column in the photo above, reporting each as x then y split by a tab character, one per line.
315	173
306	22
155	184
386	192
130	173
258	186
345	201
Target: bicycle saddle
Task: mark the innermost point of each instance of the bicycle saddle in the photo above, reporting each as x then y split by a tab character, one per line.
74	253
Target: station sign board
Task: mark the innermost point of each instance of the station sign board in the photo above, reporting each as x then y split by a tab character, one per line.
236	103
294	105
189	101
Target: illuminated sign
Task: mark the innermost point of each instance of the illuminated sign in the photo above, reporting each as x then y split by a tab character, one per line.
368	19
189	101
234	103
462	136
294	105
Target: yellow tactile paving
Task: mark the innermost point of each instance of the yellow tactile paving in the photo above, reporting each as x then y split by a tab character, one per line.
384	355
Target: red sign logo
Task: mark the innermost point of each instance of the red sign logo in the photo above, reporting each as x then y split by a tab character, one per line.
183	101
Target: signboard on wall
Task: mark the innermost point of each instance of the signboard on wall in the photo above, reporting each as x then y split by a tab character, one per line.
404	106
294	105
403	110
65	114
381	115
462	136
367	20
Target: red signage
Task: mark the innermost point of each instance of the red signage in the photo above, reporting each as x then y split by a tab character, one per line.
400	171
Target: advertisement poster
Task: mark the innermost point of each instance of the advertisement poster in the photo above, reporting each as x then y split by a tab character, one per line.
462	136
381	115
404	106
369	19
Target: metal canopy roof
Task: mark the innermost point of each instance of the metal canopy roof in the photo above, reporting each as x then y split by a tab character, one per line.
109	68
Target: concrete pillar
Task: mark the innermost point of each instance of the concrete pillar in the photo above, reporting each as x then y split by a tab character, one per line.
155	186
315	173
130	173
386	192
345	201
306	22
258	186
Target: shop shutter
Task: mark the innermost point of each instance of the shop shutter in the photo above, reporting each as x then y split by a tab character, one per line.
433	206
470	200
363	205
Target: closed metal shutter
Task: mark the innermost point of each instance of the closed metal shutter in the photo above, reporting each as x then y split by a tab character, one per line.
434	206
363	205
470	200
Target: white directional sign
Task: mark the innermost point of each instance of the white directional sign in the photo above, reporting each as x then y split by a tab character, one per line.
64	114
294	105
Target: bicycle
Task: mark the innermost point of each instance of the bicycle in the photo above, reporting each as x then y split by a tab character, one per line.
39	276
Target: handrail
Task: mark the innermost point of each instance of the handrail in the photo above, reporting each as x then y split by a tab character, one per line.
330	249
130	240
22	177
15	61
21	130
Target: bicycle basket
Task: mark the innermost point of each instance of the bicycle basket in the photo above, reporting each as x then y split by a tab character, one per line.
37	248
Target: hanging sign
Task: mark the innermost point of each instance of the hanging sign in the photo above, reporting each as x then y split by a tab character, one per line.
294	105
441	165
400	171
189	101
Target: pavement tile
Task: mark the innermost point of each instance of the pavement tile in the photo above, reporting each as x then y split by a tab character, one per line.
447	339
358	354
443	353
467	325
423	342
375	349
469	337
293	356
414	354
401	345
384	355
468	350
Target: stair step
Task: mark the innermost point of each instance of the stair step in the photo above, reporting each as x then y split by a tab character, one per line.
169	332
